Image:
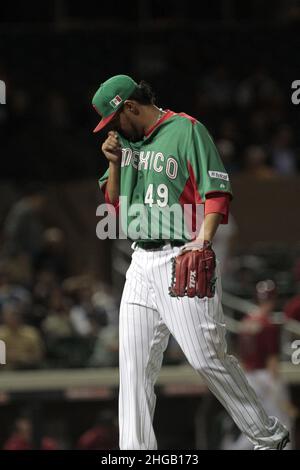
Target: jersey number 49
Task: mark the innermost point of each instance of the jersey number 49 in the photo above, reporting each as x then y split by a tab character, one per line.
160	198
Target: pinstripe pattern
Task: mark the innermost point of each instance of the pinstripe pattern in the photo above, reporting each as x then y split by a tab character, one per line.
147	317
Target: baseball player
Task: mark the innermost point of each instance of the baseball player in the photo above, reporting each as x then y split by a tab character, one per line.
159	158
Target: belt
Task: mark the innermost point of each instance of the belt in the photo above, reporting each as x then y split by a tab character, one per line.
157	244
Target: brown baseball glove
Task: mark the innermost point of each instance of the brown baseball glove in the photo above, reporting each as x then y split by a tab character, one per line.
193	271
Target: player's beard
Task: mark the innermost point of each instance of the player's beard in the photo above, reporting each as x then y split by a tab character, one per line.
131	136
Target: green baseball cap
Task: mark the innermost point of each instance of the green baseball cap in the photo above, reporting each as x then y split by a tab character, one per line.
110	97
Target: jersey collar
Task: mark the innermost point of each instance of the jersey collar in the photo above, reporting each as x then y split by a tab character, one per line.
166	116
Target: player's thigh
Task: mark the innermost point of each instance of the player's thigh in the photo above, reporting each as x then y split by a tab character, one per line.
143	334
198	327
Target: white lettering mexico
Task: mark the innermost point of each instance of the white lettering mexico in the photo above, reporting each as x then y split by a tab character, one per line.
2	92
2	352
151	161
157	167
172	168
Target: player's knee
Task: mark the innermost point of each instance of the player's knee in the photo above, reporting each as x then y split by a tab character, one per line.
197	363
135	375
206	365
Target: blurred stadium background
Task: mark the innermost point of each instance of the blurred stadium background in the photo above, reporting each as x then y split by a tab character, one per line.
231	64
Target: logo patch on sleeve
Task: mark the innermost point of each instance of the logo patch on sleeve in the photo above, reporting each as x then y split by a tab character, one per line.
115	101
219	175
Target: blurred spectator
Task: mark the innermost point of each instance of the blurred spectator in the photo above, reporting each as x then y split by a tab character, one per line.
256	163
21	437
292	307
106	347
80	319
24	346
65	347
245	270
9	290
93	304
44	283
259	337
283	155
53	253
257	89
80	290
104	297
23	231
58	323
292	315
102	436
259	348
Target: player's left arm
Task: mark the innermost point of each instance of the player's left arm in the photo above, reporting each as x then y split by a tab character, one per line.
212	182
209	226
211	178
193	269
216	211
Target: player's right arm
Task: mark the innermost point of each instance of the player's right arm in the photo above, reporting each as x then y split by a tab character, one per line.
112	151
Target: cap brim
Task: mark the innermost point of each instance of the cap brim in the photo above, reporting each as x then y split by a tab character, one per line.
104	122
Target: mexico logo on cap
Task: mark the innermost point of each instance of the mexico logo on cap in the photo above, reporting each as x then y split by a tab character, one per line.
115	101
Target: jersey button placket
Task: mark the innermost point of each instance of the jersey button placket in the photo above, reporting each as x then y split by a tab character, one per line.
140	176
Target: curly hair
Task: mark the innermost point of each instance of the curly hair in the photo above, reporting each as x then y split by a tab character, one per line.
143	94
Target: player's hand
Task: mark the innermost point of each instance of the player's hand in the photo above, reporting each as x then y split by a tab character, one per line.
111	148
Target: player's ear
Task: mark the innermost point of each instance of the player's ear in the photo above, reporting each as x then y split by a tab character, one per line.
131	106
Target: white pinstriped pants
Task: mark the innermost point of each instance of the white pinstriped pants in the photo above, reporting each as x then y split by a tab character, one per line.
147	317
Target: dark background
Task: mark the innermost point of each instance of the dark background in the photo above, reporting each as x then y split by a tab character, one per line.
54	55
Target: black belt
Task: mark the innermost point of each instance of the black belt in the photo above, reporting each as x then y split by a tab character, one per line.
157	244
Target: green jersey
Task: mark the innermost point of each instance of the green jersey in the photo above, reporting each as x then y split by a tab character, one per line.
175	165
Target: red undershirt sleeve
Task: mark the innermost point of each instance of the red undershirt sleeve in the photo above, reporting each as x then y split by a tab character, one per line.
218	203
107	200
